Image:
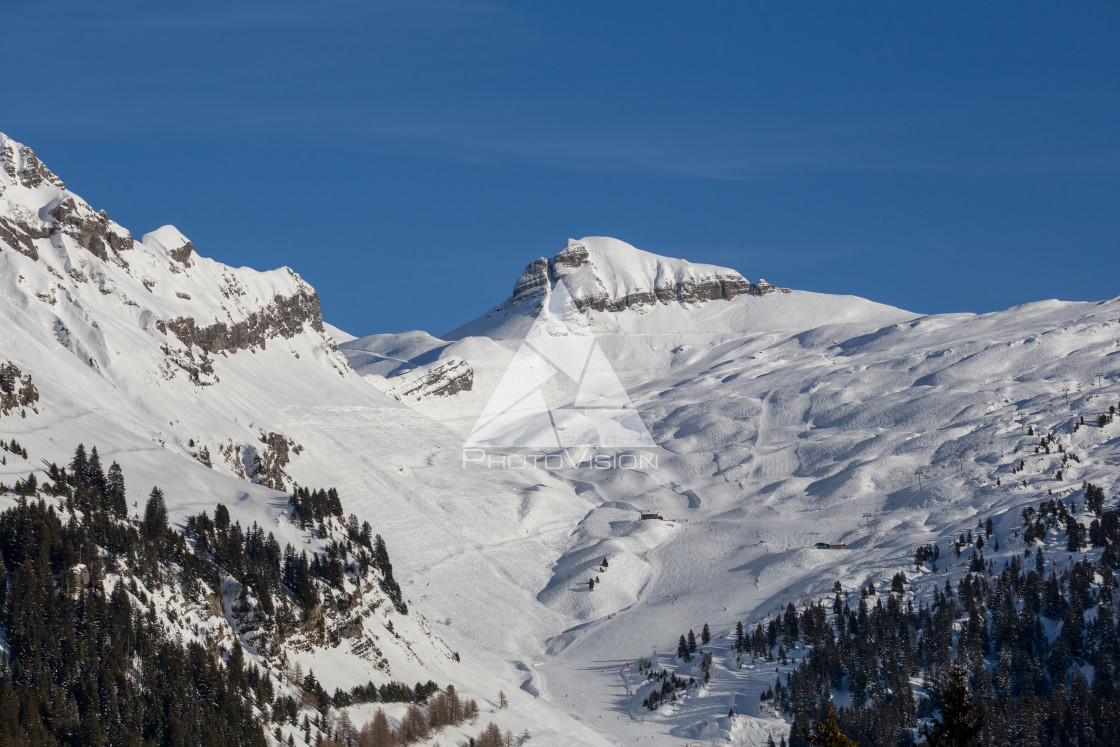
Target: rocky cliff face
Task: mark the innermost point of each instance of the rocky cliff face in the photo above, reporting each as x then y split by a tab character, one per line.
17	393
284	317
23	167
444	379
609	275
92	231
63	261
762	288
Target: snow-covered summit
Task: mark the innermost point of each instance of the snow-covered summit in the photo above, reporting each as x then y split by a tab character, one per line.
171	242
607	274
631	290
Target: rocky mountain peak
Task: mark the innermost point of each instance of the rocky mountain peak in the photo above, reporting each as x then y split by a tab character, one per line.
606	274
35	204
20	165
87	283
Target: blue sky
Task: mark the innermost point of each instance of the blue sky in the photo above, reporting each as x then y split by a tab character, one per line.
410	157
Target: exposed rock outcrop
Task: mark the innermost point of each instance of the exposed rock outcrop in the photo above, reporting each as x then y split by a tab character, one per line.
284	317
267	467
231	453
610	275
183	254
21	163
203	456
443	380
91	231
533	282
199	368
761	288
21	237
16	390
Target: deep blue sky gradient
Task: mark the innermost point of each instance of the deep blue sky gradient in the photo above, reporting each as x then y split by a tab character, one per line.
410	157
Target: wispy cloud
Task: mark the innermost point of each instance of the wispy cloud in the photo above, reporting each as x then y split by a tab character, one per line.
765	150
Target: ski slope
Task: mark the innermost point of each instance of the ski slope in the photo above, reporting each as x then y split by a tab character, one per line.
784	421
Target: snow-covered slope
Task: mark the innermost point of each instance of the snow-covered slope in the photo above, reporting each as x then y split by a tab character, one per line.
781	419
644	329
220	385
785	420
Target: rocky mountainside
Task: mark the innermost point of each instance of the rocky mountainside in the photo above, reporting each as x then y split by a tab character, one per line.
78	275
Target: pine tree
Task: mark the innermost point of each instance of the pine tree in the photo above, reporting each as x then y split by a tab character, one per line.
115	492
705	635
221	517
155	515
94	475
414	726
960	721
682	649
79	464
1094	498
691	642
826	732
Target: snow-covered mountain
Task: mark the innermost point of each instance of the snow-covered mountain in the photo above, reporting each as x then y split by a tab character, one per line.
606	274
218	384
782	418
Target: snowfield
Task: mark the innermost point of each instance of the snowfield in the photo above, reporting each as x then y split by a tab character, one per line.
781	420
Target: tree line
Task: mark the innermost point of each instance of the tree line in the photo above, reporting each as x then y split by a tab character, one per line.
91	662
988	669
